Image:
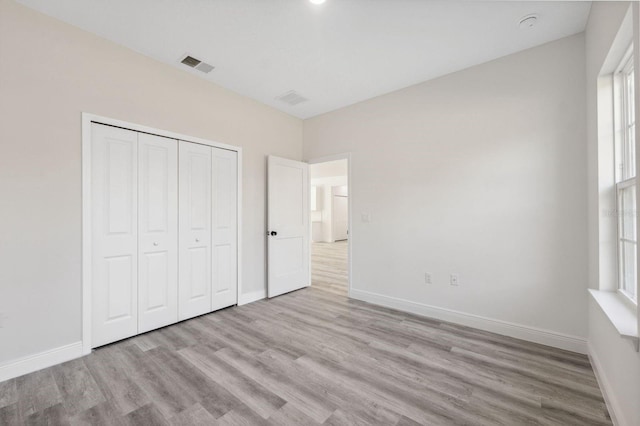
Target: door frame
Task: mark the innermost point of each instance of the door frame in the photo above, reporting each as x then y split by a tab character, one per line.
87	119
325	159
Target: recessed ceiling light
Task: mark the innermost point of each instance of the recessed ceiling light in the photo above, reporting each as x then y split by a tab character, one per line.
527	22
317	1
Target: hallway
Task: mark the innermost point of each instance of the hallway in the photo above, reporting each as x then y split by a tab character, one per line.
329	267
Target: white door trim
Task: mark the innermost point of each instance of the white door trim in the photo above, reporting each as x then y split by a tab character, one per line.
343	156
87	119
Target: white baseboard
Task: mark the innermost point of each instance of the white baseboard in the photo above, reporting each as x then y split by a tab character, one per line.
519	331
607	392
36	362
254	296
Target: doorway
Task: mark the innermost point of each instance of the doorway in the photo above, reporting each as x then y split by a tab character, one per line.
329	219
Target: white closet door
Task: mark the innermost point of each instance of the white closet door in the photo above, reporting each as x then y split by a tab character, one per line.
114	216
225	229
158	232
194	229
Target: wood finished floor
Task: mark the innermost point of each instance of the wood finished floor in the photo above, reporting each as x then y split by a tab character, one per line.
312	357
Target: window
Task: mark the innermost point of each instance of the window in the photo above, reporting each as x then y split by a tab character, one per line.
625	157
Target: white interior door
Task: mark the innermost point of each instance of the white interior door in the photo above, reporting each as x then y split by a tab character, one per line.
224	290
288	225
157	232
195	230
114	218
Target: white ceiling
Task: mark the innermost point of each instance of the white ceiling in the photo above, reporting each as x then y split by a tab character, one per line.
334	54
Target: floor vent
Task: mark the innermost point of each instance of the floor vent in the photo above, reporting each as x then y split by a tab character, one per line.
192	62
292	98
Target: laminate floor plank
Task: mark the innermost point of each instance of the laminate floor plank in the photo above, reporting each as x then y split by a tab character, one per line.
196	415
55	415
435	334
167	395
437	411
148	415
249	329
211	396
312	357
350	400
311	404
37	392
242	416
255	396
291	415
8	393
10	415
101	414
116	380
77	386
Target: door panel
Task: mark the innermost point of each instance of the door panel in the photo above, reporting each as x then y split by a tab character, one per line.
119	284
195	230
158	232
225	228
288	218
114	214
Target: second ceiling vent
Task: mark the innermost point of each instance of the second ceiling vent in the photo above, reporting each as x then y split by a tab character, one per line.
292	98
192	62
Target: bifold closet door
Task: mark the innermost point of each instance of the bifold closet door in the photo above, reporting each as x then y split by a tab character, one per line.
157	232
225	229
194	296
114	224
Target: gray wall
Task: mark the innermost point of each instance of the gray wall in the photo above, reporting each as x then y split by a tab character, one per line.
482	173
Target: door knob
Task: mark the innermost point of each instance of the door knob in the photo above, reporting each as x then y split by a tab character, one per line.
197	240
155	243
274	233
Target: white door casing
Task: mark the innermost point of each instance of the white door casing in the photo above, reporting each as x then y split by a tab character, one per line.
194	296
224	291
157	232
114	219
288	225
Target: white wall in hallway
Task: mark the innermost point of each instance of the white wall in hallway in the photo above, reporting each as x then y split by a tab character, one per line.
321	220
480	173
329	169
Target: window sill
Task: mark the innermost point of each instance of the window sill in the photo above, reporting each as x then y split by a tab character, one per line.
621	314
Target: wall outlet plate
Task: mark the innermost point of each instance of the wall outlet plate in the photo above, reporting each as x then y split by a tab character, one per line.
427	278
454	279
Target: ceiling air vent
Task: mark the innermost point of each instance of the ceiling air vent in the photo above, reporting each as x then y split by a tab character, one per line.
192	62
292	98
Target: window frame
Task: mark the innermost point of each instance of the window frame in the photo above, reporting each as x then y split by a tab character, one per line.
625	163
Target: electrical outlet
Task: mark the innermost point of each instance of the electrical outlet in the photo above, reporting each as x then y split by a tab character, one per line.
454	279
427	278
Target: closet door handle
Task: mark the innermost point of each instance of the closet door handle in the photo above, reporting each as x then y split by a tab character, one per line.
274	233
155	243
197	240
